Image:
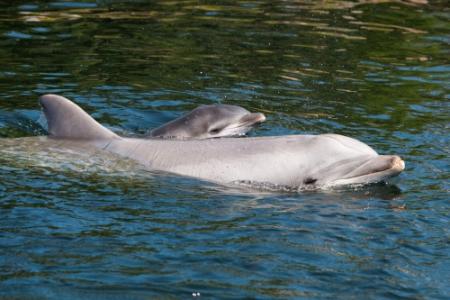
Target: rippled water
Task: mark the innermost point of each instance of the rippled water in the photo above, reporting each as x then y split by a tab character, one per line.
81	227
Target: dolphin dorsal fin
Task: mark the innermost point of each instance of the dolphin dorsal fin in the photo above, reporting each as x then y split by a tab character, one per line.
67	120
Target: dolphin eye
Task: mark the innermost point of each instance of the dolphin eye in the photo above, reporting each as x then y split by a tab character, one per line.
215	130
309	180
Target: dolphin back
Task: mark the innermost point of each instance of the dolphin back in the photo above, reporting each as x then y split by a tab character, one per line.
67	120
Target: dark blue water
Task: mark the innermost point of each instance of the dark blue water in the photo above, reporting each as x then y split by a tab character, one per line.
85	227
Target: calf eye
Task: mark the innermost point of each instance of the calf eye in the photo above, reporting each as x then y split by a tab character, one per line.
309	180
215	130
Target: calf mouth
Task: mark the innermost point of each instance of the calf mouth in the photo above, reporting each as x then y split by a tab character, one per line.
252	118
246	123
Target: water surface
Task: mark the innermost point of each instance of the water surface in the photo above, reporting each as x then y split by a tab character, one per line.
87	228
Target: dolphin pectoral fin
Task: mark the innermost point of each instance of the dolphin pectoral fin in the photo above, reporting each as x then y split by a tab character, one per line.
67	120
375	170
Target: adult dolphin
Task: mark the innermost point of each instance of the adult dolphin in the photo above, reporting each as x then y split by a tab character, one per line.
298	161
210	121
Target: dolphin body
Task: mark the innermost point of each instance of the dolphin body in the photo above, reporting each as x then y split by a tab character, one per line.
210	121
296	161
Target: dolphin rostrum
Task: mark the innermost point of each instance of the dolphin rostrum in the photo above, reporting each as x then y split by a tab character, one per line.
298	161
210	121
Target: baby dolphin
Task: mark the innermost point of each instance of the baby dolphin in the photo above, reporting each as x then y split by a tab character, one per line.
210	121
298	161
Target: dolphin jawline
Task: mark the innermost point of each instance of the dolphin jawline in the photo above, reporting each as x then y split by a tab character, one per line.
390	166
244	125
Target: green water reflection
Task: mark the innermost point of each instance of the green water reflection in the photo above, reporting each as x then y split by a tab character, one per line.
375	70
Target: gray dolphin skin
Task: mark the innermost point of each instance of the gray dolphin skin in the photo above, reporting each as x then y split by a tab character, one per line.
210	121
299	161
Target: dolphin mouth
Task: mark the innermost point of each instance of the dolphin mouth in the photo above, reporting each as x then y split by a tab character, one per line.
376	169
252	119
245	124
